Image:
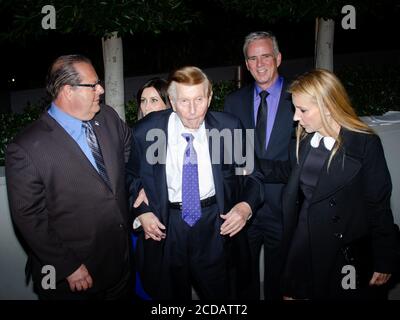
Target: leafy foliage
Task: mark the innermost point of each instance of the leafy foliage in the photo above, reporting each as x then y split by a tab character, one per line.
220	91
295	10
131	112
13	123
372	90
98	18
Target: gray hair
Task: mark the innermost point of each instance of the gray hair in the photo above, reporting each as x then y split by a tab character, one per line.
257	36
63	72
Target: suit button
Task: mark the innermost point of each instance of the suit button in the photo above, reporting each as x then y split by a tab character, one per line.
338	235
335	219
121	225
332	202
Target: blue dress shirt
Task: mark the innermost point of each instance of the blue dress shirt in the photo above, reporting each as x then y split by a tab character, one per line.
74	128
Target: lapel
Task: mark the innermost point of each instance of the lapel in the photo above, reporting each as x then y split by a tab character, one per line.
159	174
293	183
248	109
284	115
248	116
290	196
212	123
69	146
342	169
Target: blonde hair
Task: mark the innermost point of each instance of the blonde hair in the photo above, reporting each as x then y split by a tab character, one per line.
329	95
188	76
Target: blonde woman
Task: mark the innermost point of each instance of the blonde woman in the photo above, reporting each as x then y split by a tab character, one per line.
339	236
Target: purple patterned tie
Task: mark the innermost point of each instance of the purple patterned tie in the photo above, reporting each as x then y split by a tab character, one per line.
191	209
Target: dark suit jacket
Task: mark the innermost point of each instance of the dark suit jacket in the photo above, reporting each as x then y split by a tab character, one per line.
153	178
61	205
350	209
241	104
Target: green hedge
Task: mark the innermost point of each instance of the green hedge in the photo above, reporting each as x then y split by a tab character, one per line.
12	123
372	91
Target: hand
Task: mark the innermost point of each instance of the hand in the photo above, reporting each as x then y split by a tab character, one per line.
379	279
80	279
235	219
141	198
152	226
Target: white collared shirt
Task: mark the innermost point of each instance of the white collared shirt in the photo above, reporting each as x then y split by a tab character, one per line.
175	153
329	142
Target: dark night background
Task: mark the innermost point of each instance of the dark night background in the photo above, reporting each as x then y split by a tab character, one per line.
215	41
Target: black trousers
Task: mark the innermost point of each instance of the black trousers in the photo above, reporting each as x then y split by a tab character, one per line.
265	230
195	257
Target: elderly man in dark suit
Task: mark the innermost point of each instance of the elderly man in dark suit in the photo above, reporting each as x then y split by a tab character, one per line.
195	208
66	188
266	107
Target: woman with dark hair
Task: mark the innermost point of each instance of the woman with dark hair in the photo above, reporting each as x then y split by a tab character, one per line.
152	96
339	235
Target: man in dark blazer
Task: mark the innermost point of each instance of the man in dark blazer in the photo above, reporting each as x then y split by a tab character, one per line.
174	254
263	58
66	189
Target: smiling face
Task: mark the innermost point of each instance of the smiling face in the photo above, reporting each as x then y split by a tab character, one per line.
191	102
85	101
262	62
150	101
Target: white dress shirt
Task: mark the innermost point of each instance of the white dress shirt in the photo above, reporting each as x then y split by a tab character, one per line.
175	153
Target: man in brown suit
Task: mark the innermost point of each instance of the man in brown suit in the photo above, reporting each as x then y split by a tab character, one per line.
65	180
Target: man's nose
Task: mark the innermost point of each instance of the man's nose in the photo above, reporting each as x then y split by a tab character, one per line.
192	107
99	89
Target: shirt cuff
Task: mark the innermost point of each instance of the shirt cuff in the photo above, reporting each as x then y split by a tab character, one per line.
136	224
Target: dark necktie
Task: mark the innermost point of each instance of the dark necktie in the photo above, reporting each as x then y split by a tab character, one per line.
94	147
261	125
191	209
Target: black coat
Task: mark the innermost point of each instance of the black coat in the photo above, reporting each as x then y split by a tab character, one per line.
349	217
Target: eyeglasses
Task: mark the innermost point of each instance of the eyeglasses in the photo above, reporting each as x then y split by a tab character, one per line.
89	85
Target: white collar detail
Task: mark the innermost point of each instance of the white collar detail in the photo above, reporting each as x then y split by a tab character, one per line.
329	142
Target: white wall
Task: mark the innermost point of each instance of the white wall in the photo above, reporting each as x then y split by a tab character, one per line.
12	255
